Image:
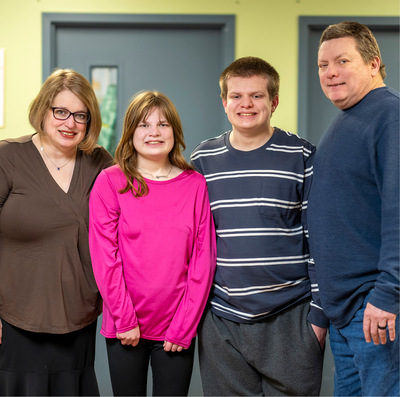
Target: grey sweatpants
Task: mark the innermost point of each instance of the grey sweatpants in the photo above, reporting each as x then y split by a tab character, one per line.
280	355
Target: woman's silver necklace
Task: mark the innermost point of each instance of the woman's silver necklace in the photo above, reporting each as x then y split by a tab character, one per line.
156	176
51	161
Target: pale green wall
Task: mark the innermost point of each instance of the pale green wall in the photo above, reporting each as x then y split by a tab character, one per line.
264	28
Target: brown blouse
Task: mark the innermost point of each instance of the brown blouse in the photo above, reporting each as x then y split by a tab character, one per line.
46	278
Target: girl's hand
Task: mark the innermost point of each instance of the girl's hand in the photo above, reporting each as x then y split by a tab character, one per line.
130	338
172	347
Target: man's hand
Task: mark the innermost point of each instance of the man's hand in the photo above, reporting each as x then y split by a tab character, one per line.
376	323
321	334
130	338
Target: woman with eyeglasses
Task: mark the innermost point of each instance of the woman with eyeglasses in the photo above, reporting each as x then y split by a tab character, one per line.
49	302
153	246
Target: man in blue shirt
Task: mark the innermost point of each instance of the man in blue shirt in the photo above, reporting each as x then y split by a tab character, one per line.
353	213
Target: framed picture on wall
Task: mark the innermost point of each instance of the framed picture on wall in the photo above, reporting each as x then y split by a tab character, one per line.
104	81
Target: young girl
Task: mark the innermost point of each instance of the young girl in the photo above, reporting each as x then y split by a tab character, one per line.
152	243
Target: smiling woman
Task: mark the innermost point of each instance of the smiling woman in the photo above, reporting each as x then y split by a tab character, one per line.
45	180
63	134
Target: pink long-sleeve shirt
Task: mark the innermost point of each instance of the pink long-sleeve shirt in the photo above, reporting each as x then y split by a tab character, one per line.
154	256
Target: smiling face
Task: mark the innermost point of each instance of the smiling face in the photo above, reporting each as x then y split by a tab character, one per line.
153	138
248	105
344	76
67	134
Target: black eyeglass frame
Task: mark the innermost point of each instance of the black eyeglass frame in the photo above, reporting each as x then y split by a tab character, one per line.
71	114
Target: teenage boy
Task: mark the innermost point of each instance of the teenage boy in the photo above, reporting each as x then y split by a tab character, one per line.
262	334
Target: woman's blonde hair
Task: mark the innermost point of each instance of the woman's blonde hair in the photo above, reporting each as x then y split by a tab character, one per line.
126	155
67	79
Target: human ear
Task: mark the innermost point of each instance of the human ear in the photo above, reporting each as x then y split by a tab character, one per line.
224	104
275	103
375	66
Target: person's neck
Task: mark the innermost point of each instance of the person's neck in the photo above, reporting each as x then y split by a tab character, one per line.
52	151
247	141
379	83
155	169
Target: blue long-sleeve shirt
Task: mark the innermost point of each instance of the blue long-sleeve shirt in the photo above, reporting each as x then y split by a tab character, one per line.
353	212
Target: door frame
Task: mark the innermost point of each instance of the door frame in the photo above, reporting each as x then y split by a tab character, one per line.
307	24
52	21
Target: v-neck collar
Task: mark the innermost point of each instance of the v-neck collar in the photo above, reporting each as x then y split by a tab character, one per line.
51	182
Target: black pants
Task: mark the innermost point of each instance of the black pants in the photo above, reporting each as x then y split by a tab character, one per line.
41	364
129	367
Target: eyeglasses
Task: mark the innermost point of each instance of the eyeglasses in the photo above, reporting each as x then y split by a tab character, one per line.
63	114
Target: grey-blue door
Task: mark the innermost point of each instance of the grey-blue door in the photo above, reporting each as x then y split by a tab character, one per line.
179	56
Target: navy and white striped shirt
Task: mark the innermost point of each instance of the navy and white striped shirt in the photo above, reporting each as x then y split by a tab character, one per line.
257	199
